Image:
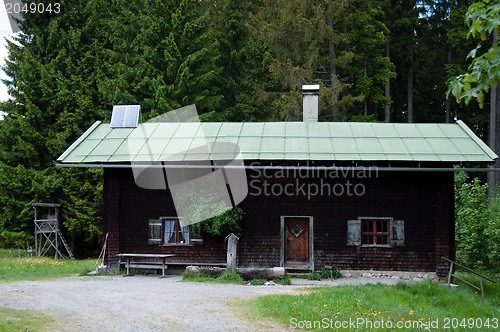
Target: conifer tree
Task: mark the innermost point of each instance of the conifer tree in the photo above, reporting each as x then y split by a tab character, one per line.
66	70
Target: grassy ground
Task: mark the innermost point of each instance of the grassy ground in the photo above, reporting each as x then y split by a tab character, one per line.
23	320
225	278
369	307
15	266
424	306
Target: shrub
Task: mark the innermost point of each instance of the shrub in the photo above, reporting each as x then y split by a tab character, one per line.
477	221
285	281
313	276
493	230
333	273
12	239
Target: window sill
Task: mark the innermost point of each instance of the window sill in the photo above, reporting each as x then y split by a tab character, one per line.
376	246
176	245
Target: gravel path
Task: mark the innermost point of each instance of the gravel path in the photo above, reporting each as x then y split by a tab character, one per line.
148	303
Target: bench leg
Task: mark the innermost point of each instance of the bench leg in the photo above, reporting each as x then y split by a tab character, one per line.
163	267
128	267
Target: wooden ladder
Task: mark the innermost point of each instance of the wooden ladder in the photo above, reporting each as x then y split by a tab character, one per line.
66	246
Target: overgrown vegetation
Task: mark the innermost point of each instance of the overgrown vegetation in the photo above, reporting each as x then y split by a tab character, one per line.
406	302
327	273
477	219
197	204
225	278
230	278
321	274
31	268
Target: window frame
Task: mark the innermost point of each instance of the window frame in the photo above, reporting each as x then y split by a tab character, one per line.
177	230
374	233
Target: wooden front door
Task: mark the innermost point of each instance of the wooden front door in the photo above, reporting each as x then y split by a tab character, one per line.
296	242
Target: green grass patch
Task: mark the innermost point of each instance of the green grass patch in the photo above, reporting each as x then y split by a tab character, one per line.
279	281
32	268
23	320
320	274
332	274
286	280
225	278
412	304
256	282
14	253
231	278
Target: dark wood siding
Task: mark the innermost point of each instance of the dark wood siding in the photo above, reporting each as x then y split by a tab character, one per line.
134	207
424	200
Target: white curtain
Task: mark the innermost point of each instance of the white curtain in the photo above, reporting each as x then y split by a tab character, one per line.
169	231
185	233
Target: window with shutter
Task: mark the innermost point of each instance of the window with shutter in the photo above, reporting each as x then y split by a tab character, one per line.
168	231
377	232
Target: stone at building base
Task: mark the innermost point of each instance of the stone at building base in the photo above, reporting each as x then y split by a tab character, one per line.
101	269
403	275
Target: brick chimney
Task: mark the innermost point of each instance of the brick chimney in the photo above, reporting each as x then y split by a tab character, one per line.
310	102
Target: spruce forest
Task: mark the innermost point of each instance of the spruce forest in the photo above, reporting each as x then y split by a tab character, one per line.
376	60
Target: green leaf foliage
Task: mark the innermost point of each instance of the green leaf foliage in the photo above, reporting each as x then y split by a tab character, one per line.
477	224
201	203
493	231
483	21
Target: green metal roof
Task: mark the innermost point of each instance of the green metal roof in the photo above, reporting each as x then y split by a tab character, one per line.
151	142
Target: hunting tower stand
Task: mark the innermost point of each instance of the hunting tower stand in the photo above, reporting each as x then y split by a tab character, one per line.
48	236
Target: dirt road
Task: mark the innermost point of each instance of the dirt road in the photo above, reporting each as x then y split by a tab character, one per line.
138	303
147	303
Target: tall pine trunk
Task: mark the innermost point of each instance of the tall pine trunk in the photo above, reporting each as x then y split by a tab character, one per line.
494	141
387	92
333	74
448	101
410	86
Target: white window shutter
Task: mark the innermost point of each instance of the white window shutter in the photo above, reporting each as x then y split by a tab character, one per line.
354	232
397	233
154	231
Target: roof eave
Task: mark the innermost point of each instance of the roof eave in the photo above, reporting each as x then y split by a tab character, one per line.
78	141
478	141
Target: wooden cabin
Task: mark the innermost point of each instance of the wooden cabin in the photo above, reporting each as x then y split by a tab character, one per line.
350	195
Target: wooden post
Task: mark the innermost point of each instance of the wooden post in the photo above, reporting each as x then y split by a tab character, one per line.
482	288
450	274
232	242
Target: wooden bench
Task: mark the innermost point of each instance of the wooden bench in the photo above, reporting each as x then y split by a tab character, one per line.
141	263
